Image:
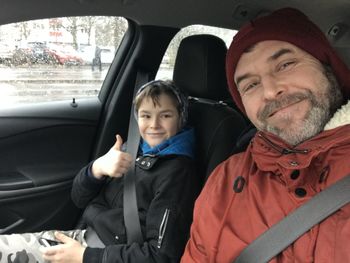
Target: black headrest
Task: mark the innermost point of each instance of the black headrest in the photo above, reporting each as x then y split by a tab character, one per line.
200	67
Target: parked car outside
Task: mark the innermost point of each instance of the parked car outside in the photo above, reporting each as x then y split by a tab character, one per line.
39	52
32	52
6	53
64	54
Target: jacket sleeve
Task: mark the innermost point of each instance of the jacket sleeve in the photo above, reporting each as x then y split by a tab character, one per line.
167	222
85	187
196	250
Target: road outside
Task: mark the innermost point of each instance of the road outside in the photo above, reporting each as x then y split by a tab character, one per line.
40	83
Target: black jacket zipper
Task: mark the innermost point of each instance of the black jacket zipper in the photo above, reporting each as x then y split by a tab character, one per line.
162	227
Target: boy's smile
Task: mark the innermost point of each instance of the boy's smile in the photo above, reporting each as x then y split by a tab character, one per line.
158	122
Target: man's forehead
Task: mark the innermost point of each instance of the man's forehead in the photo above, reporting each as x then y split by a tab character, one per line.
266	51
268	48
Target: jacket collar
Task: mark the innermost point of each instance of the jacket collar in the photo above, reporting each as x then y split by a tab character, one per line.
340	118
270	152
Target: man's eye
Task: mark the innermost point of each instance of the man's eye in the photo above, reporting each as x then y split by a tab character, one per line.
250	86
286	65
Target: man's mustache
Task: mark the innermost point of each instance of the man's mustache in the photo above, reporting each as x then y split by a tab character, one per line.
274	105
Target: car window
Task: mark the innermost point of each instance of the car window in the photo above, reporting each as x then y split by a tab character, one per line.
56	59
167	66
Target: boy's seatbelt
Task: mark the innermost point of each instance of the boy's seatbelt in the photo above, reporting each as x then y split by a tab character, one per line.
289	229
131	215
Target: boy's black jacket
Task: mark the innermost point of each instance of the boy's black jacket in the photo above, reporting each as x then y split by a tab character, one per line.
167	182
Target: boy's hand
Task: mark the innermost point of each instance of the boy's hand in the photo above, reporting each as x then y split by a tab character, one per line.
70	251
114	163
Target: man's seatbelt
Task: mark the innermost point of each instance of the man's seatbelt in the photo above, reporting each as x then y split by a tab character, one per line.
289	229
131	215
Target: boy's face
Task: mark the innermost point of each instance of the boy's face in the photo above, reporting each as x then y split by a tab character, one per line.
158	123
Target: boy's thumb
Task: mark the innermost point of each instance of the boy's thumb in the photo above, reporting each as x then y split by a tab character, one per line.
118	142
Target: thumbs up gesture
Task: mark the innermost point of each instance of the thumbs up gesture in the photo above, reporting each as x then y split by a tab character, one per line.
114	163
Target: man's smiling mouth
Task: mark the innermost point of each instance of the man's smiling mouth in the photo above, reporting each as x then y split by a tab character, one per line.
284	107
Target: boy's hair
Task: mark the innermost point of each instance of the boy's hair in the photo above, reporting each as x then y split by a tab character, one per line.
155	88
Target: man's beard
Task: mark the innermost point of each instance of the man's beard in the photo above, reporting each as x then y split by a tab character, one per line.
323	106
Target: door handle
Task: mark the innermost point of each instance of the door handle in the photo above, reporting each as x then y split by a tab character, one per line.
14	181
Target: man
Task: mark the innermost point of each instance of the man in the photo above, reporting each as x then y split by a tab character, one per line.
96	61
285	76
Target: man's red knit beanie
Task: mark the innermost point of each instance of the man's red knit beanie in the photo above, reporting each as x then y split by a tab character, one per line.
289	25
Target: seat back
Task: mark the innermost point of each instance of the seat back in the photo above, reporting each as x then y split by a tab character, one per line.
200	72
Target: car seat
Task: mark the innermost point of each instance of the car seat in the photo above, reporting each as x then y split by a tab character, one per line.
199	71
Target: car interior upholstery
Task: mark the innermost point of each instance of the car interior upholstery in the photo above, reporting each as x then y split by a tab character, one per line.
200	72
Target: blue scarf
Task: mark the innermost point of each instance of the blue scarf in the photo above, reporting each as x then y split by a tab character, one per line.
180	144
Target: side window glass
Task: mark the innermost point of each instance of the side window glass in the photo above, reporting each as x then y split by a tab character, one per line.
56	59
167	66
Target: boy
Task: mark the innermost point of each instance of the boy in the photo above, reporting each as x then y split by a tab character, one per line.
165	181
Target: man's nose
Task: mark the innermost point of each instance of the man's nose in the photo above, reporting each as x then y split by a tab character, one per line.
273	87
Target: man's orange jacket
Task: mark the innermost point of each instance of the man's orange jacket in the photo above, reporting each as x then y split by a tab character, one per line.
251	191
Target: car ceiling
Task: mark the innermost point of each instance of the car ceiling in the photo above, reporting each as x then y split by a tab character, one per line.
174	13
179	13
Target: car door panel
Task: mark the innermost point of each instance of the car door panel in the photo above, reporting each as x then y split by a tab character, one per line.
37	208
42	147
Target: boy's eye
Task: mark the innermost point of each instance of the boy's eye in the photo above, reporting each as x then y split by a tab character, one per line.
144	116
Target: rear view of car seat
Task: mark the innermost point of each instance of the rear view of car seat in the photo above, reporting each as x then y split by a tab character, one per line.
200	72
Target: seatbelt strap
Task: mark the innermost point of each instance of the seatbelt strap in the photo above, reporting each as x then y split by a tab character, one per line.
289	229
131	215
